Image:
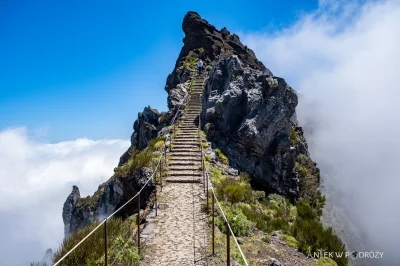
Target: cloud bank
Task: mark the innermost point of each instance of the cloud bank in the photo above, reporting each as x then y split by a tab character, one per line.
344	60
35	180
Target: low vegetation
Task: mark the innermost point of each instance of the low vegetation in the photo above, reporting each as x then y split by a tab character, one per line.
309	183
325	262
221	156
312	236
140	159
122	247
190	60
299	224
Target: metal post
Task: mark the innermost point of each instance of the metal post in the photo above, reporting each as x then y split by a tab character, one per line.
138	220
228	244
105	243
204	173
207	190
161	185
170	144
155	192
213	225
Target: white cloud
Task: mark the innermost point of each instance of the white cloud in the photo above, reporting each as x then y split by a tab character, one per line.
35	180
345	61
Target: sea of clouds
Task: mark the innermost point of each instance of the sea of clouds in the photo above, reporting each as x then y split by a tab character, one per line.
344	61
35	179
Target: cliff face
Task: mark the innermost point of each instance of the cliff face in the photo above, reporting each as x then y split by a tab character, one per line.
80	212
248	115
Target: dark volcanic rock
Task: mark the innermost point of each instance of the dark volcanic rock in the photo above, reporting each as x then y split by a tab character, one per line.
68	208
146	127
216	45
80	212
248	114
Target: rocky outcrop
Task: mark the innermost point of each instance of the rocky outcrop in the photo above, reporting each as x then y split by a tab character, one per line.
68	209
80	212
146	127
202	40
248	114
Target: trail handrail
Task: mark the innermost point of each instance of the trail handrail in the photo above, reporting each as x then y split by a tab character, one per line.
111	215
227	223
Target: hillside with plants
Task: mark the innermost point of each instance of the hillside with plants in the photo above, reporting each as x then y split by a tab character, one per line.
254	151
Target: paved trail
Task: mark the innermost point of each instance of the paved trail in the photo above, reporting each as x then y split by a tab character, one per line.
177	235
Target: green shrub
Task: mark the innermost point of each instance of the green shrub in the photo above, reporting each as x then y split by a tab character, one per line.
208	68
325	262
138	160
309	183
234	193
163	119
265	222
290	241
221	156
293	137
265	239
190	61
237	220
230	189
199	50
312	236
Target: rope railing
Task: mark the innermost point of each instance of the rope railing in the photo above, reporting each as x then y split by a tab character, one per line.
227	224
159	165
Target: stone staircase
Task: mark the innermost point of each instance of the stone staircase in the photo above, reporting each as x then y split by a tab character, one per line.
184	162
178	235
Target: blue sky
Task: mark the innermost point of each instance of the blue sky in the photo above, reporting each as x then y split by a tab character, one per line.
72	69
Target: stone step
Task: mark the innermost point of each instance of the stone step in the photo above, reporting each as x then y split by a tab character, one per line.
185	158
180	145
189	154
192	131
194	137
185	149
183	180
185	146
185	132
187	140
188	173
179	168
188	134
184	163
194	111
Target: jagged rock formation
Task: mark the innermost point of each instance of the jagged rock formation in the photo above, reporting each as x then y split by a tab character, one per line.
68	209
248	114
80	212
210	44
